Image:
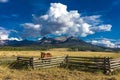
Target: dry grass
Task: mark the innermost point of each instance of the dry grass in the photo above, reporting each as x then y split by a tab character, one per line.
58	52
54	73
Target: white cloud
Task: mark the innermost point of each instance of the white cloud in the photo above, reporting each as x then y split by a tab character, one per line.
31	30
117	43
3	1
39	38
102	28
58	20
13	38
106	42
4	33
31	25
94	20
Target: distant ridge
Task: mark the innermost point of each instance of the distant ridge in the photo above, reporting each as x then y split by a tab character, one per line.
73	43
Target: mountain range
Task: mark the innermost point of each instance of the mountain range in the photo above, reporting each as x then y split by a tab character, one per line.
53	41
72	43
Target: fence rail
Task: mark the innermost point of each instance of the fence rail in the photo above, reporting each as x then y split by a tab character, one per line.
114	64
106	64
42	63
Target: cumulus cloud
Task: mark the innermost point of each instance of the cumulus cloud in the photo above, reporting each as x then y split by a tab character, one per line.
3	1
117	43
106	42
102	28
58	20
94	20
4	33
31	30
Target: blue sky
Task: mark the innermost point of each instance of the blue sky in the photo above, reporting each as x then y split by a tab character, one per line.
100	19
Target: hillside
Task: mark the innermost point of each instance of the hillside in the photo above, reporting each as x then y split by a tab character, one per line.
72	43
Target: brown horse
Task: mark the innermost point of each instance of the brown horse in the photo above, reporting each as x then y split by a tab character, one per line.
46	56
43	55
49	55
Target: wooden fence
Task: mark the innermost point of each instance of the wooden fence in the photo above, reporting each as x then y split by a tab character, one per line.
42	63
90	63
114	64
27	60
106	64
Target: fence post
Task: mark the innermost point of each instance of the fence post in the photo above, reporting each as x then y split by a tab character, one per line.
32	62
107	66
104	67
66	61
18	58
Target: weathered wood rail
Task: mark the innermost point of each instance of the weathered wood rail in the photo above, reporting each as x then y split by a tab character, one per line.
114	64
49	62
89	62
106	64
42	63
27	60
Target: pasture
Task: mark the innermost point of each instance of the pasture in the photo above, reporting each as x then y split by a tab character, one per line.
53	73
58	52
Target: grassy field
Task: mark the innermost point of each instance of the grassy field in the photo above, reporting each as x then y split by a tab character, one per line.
58	52
53	73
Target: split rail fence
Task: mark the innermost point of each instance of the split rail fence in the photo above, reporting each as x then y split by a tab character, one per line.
106	64
42	63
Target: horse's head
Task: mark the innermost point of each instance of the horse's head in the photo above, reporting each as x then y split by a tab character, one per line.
49	55
43	54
